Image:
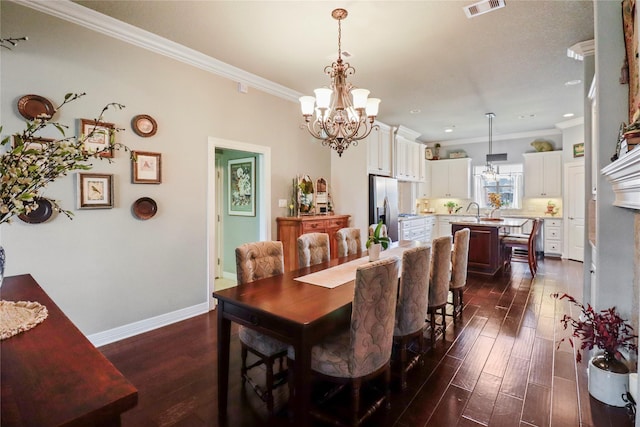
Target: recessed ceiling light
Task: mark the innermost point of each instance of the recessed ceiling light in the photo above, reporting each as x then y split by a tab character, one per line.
568	115
415	111
448	130
573	82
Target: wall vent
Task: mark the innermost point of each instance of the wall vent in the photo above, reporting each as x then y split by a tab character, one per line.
483	6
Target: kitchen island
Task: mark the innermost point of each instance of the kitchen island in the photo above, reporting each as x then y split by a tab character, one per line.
485	249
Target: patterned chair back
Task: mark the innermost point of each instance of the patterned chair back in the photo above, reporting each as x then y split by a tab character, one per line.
313	248
373	316
413	291
440	271
460	258
348	241
258	260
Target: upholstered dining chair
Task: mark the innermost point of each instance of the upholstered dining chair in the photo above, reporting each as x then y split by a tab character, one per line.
526	242
439	284
313	248
362	351
255	261
348	241
459	262
411	310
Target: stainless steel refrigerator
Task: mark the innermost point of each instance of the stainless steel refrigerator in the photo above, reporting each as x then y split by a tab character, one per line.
383	203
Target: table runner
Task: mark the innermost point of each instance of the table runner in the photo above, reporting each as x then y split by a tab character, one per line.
344	273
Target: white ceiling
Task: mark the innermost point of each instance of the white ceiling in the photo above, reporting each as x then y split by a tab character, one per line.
414	55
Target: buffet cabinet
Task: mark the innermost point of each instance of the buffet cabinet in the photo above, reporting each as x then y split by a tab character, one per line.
290	228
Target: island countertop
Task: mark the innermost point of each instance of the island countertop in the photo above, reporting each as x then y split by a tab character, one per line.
491	222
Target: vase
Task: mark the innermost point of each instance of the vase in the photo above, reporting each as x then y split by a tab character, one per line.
374	251
608	379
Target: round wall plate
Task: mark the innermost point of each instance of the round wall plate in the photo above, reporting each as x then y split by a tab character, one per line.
144	125
41	214
144	208
32	106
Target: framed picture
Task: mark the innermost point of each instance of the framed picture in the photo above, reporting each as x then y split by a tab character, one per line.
428	153
32	144
578	150
144	125
98	136
629	27
95	191
146	168
242	186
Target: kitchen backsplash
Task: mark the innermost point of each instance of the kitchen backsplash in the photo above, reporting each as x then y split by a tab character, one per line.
533	207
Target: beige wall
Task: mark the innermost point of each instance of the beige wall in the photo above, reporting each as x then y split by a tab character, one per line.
105	268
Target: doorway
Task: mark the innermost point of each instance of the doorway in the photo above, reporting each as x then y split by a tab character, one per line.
215	203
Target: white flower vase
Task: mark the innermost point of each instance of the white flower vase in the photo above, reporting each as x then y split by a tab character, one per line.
608	385
374	251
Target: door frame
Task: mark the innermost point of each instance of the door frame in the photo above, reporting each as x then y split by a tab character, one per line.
264	196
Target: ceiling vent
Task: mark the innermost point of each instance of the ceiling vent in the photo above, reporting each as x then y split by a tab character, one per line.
483	6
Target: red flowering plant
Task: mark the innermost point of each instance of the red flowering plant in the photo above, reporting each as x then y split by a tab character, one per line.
604	329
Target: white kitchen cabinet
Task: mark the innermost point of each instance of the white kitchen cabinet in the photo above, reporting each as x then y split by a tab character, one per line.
379	147
553	237
451	178
416	228
444	226
408	155
424	186
543	174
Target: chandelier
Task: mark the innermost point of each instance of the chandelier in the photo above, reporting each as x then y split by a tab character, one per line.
343	114
489	173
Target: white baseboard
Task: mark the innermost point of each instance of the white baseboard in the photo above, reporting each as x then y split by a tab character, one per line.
132	329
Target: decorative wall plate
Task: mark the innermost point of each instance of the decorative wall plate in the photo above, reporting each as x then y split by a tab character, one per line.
144	125
144	208
42	213
32	106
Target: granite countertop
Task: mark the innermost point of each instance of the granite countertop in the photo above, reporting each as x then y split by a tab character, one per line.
492	222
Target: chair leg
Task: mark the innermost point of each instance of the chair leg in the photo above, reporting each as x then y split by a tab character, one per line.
269	392
387	387
443	310
403	363
432	323
243	368
355	401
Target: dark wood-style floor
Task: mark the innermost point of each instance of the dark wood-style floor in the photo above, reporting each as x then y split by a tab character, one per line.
499	366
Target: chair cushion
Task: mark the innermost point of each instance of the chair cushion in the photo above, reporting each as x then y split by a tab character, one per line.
260	342
510	240
331	356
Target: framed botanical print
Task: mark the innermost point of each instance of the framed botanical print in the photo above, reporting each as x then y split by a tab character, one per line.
99	137
242	186
95	191
146	168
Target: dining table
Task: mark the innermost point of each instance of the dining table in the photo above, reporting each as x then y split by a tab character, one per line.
298	307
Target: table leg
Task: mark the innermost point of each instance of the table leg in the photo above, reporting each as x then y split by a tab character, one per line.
302	379
224	337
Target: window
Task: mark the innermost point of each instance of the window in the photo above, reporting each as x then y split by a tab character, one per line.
508	184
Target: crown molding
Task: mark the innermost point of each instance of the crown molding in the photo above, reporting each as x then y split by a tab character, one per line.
579	50
95	21
505	137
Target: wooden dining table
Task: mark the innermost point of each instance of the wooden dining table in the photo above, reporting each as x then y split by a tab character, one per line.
292	311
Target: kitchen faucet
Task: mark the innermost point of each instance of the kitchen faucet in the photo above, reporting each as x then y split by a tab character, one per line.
478	210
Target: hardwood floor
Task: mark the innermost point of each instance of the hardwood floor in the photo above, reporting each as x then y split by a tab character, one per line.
498	366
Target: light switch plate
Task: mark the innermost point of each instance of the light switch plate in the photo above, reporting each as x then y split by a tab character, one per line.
282	203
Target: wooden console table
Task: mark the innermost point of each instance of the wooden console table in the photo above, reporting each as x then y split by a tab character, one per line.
52	375
290	228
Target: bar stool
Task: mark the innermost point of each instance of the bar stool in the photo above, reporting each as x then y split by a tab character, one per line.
459	262
439	284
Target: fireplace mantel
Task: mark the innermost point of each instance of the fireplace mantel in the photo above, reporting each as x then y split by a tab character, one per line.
624	175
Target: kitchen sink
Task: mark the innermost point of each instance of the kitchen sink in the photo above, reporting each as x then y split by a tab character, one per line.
491	219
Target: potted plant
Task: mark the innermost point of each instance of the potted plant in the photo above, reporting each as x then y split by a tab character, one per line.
376	242
451	206
606	330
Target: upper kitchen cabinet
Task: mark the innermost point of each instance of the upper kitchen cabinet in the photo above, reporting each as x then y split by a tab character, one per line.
451	178
379	143
409	154
543	174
